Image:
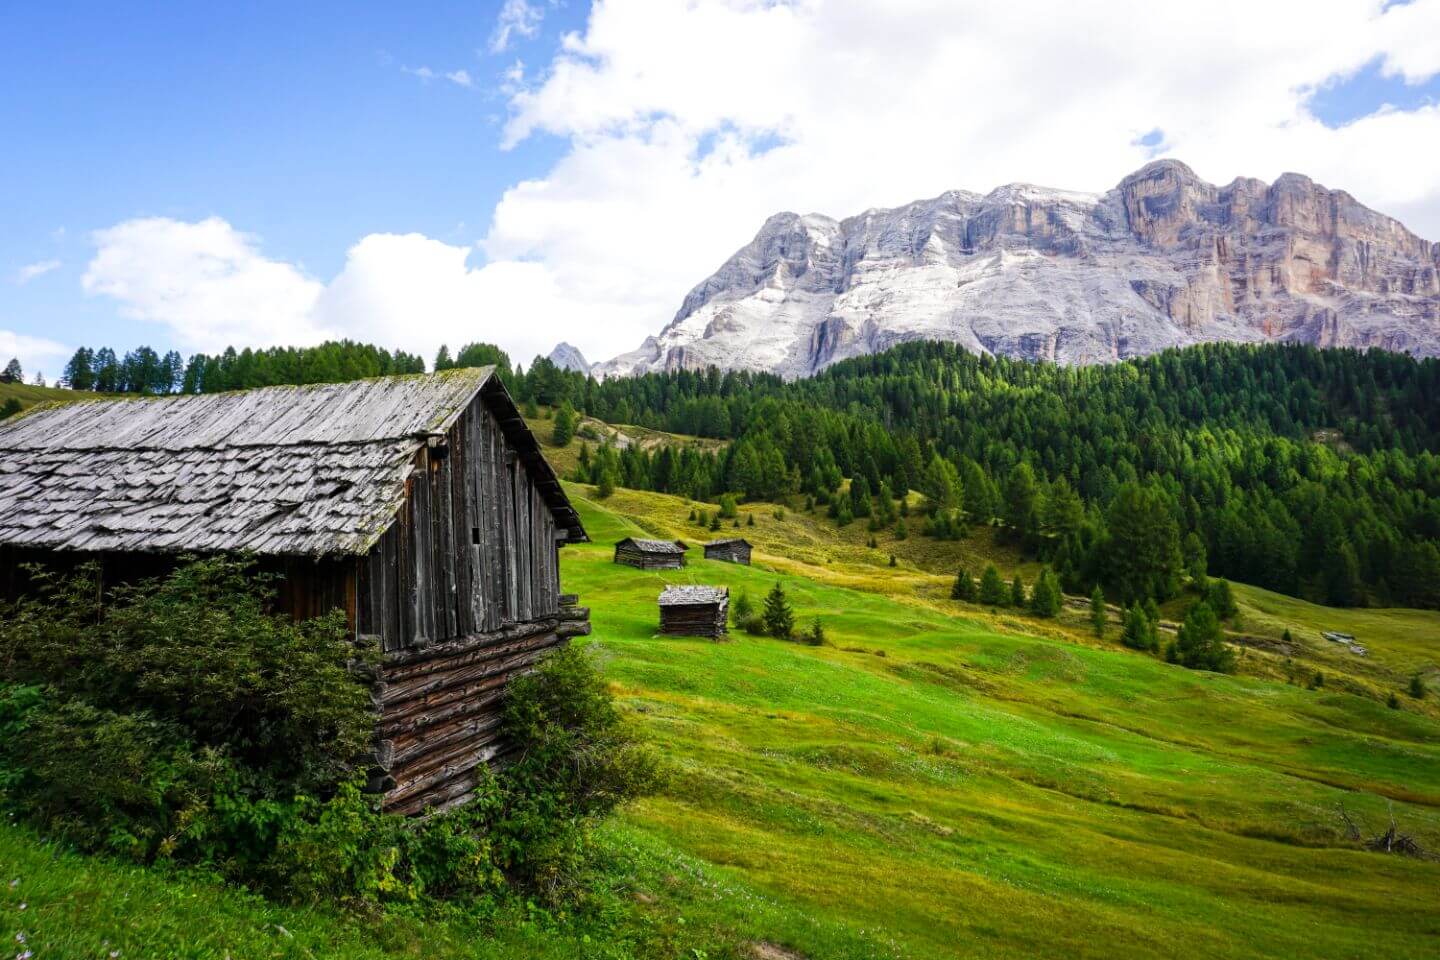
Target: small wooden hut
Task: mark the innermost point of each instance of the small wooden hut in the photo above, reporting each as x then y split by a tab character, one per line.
694	611
734	550
650	554
421	506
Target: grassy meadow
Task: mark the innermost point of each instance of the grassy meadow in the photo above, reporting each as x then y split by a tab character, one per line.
938	780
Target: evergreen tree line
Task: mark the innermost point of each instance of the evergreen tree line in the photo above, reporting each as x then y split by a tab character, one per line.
1311	472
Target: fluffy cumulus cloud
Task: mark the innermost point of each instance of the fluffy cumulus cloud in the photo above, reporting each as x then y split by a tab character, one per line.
686	125
212	286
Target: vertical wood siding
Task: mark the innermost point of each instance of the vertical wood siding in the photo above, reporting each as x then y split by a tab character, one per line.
427	580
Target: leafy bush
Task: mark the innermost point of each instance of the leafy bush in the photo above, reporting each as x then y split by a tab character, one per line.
176	719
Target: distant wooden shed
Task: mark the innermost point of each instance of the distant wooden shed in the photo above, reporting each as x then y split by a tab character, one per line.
421	506
734	550
651	554
694	611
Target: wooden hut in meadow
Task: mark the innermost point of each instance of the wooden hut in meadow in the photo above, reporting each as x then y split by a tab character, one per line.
421	506
734	550
694	611
651	554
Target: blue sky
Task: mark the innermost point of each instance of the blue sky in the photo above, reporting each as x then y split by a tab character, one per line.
279	172
297	120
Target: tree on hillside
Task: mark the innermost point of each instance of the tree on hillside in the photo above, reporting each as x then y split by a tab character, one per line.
564	429
442	359
1200	643
1045	598
79	373
12	372
1021	512
1017	593
1221	599
1193	551
992	588
1144	545
779	618
940	485
1097	611
1138	632
964	587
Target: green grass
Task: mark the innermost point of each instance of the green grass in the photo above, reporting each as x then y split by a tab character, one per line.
939	781
29	395
979	791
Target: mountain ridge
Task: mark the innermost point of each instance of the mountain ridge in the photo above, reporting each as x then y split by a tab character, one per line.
1162	259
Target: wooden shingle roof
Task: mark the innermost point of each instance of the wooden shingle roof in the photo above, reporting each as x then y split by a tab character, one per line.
656	546
684	596
291	470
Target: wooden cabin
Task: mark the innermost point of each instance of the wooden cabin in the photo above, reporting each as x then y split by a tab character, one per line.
734	550
694	611
650	554
420	505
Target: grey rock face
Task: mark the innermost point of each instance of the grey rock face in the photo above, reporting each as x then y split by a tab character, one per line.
1163	259
567	357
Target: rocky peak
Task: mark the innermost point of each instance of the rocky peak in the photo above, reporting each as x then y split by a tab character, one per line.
567	357
1163	259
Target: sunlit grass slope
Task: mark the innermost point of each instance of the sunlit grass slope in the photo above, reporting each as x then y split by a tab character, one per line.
947	785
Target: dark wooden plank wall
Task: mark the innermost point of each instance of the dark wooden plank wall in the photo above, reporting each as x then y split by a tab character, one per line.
472	550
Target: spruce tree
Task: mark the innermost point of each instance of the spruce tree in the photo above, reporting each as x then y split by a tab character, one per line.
1097	611
1417	687
1045	598
779	618
964	587
1200	644
1222	599
816	635
992	588
1137	633
564	429
1017	593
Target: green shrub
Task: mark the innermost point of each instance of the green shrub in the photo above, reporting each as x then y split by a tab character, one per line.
176	720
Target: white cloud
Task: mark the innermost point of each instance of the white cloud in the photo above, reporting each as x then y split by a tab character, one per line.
32	270
206	280
212	287
36	354
517	18
688	124
424	73
460	77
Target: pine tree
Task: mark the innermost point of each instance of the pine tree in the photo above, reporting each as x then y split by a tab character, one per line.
1417	687
606	487
715	521
1097	611
964	587
816	635
1221	599
442	359
893	561
750	517
992	588
12	372
1017	593
1138	633
779	618
1045	598
1200	644
901	531
564	429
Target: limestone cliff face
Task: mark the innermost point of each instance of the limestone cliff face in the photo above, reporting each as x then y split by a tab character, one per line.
1164	259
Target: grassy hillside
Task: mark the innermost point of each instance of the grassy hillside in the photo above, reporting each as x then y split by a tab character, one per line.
954	787
29	395
939	781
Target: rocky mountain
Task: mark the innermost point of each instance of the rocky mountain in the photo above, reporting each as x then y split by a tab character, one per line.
567	357
1164	259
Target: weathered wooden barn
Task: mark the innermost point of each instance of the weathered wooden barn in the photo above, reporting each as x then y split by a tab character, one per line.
420	505
651	554
734	550
694	611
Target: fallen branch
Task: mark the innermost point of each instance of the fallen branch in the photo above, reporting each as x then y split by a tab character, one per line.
1391	841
